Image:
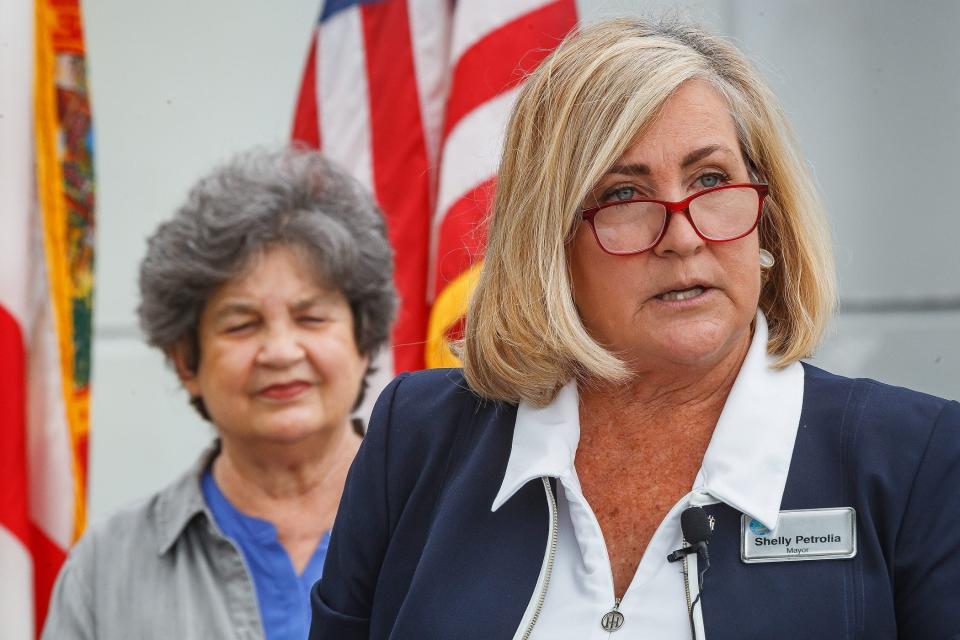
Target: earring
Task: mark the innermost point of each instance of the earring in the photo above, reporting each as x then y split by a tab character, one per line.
766	259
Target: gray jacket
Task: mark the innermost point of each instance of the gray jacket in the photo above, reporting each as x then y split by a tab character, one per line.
159	569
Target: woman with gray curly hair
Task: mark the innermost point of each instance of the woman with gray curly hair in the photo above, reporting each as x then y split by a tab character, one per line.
269	291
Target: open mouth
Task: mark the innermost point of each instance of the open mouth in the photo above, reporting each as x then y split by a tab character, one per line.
682	294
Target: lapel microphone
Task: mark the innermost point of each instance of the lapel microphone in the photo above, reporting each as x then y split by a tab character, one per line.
695	526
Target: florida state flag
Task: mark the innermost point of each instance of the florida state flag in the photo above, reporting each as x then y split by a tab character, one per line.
46	287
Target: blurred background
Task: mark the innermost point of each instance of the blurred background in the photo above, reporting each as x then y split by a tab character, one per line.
872	88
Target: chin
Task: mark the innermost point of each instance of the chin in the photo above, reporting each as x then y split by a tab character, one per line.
696	347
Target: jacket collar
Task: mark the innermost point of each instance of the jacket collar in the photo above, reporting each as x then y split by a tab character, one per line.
745	465
180	502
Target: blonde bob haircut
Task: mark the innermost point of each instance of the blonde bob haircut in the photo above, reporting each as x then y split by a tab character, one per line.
575	116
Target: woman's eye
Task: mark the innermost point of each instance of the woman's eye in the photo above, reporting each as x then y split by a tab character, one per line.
238	328
312	319
622	193
710	180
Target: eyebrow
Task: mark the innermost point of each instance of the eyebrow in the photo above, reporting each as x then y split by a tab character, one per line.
699	154
306	303
640	169
243	308
235	308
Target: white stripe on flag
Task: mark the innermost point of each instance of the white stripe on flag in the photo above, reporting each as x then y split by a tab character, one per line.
474	20
16	589
472	151
342	96
430	40
50	468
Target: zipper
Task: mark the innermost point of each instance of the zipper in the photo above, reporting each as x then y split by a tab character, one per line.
551	556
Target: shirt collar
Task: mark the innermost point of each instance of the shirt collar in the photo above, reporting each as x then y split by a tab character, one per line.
545	442
179	503
747	462
745	465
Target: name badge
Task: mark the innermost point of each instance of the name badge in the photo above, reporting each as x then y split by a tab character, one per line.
801	534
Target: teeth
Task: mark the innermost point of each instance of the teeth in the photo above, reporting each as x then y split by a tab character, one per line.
686	294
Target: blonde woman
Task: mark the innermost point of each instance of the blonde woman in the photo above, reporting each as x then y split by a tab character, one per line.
633	446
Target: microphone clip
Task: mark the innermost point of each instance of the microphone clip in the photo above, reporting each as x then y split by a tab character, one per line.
680	554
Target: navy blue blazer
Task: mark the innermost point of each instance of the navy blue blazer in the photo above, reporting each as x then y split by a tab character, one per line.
416	552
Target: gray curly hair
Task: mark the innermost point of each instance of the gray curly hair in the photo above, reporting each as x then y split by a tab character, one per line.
261	199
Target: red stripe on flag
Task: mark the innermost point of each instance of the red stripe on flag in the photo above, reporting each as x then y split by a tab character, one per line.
400	168
504	57
463	234
306	119
47	560
13	430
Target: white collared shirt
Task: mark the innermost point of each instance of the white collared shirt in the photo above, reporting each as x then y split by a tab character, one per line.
745	466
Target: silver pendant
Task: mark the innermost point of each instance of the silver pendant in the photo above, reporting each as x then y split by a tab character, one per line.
612	620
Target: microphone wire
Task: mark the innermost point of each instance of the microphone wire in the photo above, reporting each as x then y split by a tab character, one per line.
700	572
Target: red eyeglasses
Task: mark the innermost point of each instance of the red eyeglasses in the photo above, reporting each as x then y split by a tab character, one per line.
717	214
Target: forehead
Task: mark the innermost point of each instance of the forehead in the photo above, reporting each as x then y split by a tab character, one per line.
696	115
277	273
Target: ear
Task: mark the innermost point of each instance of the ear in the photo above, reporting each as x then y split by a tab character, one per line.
188	377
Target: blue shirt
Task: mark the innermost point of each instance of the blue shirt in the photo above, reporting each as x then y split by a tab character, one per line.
283	596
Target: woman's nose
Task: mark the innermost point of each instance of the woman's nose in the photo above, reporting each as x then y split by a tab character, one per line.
679	238
280	348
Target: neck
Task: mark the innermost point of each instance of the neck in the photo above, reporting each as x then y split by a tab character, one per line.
661	398
288	484
295	486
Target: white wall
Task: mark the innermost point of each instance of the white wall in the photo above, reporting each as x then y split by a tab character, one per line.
177	86
872	87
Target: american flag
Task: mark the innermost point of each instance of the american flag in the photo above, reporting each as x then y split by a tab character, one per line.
412	97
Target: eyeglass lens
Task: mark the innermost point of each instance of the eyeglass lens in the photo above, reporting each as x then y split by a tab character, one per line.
717	215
